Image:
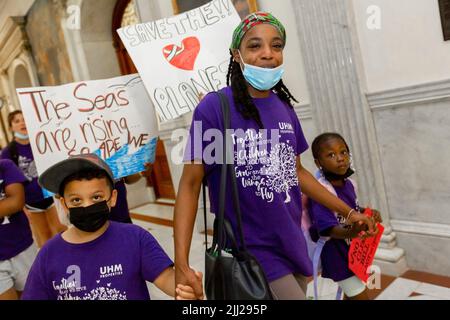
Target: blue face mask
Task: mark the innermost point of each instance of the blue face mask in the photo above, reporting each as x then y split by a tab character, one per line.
18	135
261	78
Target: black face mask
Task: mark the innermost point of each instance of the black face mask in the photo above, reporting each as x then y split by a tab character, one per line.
91	218
330	176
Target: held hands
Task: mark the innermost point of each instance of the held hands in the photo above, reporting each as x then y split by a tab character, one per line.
376	216
366	225
356	230
192	288
186	292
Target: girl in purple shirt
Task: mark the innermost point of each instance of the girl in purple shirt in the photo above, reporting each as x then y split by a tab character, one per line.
332	157
17	251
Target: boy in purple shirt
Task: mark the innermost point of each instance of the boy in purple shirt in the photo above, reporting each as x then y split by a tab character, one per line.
17	251
332	157
96	258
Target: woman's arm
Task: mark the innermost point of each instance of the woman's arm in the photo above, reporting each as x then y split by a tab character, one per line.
184	217
339	232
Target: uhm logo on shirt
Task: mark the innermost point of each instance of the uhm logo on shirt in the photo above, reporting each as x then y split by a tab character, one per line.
111	271
285	127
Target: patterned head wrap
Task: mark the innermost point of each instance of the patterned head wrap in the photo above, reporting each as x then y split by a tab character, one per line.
252	20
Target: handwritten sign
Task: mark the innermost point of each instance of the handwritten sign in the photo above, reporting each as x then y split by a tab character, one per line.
113	118
182	56
362	252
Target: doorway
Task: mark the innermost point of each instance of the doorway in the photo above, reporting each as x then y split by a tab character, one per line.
160	178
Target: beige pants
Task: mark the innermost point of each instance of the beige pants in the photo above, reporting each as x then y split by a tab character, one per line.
289	287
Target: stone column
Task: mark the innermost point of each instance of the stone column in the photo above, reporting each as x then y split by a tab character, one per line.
331	57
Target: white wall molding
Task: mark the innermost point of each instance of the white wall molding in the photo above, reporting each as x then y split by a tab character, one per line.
422	228
406	96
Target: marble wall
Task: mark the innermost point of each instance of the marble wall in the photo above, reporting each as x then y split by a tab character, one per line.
413	133
413	142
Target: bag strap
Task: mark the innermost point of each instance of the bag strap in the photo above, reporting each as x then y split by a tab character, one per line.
229	158
218	237
236	203
222	231
223	173
204	211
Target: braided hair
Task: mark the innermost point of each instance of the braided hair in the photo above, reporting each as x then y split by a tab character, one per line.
242	98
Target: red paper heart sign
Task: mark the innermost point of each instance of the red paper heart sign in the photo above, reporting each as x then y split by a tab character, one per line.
183	57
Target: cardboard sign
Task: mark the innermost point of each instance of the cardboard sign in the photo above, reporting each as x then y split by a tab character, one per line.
113	118
183	56
362	252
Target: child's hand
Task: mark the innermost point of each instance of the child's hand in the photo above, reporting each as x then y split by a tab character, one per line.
184	292
356	229
376	216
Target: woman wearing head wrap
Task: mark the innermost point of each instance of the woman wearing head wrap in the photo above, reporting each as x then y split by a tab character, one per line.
267	152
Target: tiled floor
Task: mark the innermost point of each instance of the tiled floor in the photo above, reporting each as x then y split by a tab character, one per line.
412	285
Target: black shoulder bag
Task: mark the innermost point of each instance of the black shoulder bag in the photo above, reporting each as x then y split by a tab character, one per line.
231	272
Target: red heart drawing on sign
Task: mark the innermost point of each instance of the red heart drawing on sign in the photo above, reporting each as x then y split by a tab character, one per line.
183	57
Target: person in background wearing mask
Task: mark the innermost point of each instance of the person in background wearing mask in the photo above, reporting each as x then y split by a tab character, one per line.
40	210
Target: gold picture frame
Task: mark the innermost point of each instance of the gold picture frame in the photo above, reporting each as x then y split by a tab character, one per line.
243	7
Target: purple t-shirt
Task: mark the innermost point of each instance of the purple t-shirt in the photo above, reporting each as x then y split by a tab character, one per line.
15	233
114	266
33	192
334	255
268	185
120	211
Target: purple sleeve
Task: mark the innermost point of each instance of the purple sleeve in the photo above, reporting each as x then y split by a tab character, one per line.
153	258
11	173
202	120
323	217
36	288
302	145
5	154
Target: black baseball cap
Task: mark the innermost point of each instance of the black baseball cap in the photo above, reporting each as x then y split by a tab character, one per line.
52	178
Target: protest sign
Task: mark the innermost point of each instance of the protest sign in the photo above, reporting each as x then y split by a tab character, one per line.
362	252
183	56
113	118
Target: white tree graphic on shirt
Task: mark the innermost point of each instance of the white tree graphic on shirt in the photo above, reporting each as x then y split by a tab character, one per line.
104	293
281	173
